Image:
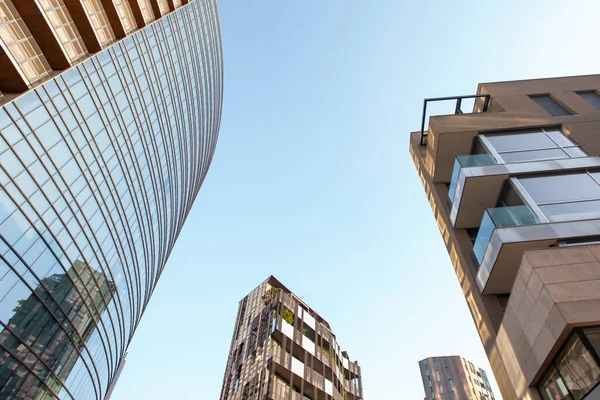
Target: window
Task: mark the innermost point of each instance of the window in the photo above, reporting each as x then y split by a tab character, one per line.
593	336
551	106
575	371
567	197
591	96
523	146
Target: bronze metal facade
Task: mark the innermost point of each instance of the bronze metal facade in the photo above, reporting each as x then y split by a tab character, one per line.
515	192
99	167
283	350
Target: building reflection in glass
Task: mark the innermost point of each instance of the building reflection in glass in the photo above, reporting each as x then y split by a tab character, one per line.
36	341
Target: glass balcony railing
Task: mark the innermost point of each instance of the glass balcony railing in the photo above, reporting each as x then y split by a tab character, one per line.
499	217
473	160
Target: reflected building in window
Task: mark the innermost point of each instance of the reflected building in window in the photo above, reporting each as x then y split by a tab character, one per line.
514	184
33	326
109	117
281	349
454	378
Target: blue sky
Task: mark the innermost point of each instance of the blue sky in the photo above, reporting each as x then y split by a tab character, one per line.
312	181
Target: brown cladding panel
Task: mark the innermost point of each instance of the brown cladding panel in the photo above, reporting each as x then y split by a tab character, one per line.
137	13
156	8
113	18
10	80
587	134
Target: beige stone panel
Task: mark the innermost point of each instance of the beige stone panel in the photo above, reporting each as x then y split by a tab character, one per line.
574	291
538	316
560	256
569	272
581	312
534	285
525	309
556	322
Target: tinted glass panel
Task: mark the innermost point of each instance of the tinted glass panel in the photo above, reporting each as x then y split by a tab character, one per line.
553	388
572	211
520	141
594	394
578	369
534	155
592	97
593	335
545	189
575	152
560	138
551	106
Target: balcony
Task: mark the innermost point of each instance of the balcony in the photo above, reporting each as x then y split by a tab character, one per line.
281	391
501	217
281	357
504	234
477	181
481	104
473	160
298	396
314	378
323	356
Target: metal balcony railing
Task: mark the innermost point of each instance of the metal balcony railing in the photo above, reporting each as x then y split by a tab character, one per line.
457	109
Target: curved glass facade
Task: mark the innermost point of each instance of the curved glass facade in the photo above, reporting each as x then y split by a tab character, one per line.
98	170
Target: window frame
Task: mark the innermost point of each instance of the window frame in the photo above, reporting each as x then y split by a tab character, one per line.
555	100
491	149
529	200
591	91
553	366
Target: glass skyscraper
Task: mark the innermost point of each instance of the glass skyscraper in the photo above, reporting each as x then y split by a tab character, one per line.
109	117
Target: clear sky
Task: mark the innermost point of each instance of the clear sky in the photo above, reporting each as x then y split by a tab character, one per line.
312	181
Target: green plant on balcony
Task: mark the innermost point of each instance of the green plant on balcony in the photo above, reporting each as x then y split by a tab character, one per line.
288	316
325	350
270	294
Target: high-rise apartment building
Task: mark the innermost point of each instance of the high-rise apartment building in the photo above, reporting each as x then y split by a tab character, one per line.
109	116
515	189
281	349
454	378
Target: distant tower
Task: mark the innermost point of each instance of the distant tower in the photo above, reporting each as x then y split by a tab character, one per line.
283	350
454	378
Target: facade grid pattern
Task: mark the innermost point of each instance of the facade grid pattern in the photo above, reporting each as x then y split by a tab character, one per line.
281	350
99	168
125	15
64	29
97	16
